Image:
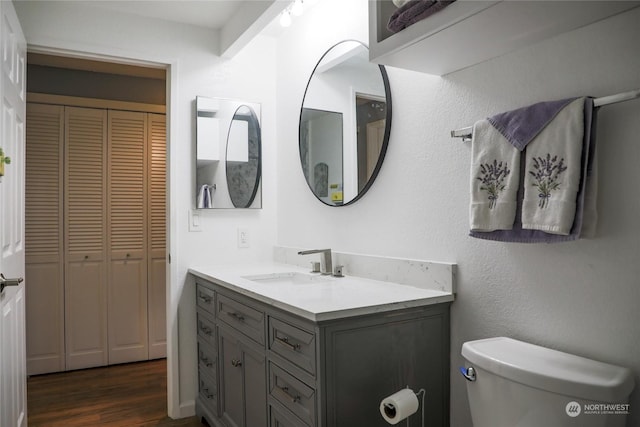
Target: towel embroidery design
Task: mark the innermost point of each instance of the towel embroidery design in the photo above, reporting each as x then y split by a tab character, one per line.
492	177
547	177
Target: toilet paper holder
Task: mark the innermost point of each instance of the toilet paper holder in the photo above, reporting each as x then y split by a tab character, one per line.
393	413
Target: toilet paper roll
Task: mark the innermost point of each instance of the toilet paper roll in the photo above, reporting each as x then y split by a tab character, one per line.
399	406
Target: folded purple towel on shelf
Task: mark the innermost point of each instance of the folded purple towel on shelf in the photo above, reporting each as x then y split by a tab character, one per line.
414	11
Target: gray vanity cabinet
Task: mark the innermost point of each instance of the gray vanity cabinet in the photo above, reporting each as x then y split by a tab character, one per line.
262	366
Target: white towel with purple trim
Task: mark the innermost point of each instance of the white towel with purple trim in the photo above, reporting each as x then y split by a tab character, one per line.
495	177
553	172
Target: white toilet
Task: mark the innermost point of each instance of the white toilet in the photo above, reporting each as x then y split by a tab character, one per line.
515	384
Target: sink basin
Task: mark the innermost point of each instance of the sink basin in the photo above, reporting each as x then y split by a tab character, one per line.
291	278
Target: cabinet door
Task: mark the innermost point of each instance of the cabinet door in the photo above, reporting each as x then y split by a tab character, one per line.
157	220
402	350
243	382
44	240
127	227
231	398
255	388
85	243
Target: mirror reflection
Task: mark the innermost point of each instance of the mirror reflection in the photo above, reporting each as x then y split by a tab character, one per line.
344	124
228	154
243	157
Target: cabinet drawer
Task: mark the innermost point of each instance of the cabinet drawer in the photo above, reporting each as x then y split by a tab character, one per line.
207	359
245	319
279	418
294	344
206	329
208	392
293	394
204	298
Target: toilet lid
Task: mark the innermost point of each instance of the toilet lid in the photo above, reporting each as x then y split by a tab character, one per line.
550	370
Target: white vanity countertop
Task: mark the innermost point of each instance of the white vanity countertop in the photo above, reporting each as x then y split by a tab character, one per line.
333	299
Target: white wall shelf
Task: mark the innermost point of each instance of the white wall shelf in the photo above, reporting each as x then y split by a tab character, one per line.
469	32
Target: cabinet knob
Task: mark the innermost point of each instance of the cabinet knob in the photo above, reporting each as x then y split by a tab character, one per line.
236	363
206	361
86	257
208	394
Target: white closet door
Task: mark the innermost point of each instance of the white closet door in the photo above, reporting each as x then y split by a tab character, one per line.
127	230
85	243
157	221
44	239
13	377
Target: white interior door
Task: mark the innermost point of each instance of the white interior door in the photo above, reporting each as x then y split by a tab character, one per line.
13	385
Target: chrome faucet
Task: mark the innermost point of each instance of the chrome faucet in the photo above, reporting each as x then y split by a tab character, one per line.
325	261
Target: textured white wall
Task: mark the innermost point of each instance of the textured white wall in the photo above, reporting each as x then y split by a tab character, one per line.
579	297
250	76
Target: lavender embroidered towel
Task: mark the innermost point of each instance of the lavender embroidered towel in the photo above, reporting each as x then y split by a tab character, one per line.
495	171
553	172
414	11
584	224
495	174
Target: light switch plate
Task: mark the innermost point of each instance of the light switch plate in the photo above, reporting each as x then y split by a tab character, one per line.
194	220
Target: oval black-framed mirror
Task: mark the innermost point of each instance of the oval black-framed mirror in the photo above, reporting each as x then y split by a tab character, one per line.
345	123
243	157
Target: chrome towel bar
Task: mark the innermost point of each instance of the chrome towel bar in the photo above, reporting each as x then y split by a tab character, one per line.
465	133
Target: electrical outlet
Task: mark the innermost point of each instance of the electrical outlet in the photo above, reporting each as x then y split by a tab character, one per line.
243	237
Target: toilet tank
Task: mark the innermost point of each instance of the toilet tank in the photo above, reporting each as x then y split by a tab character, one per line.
518	384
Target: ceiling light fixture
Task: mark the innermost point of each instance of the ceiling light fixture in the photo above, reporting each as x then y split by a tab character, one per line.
297	9
285	18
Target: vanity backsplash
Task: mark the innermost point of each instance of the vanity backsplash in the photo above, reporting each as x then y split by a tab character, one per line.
422	274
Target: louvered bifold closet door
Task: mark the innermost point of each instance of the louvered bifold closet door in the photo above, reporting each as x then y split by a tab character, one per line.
85	243
157	222
44	239
127	230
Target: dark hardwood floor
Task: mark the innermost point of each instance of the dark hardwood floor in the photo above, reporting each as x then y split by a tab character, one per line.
134	394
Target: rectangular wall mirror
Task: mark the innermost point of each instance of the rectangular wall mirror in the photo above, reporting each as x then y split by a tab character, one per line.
228	154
